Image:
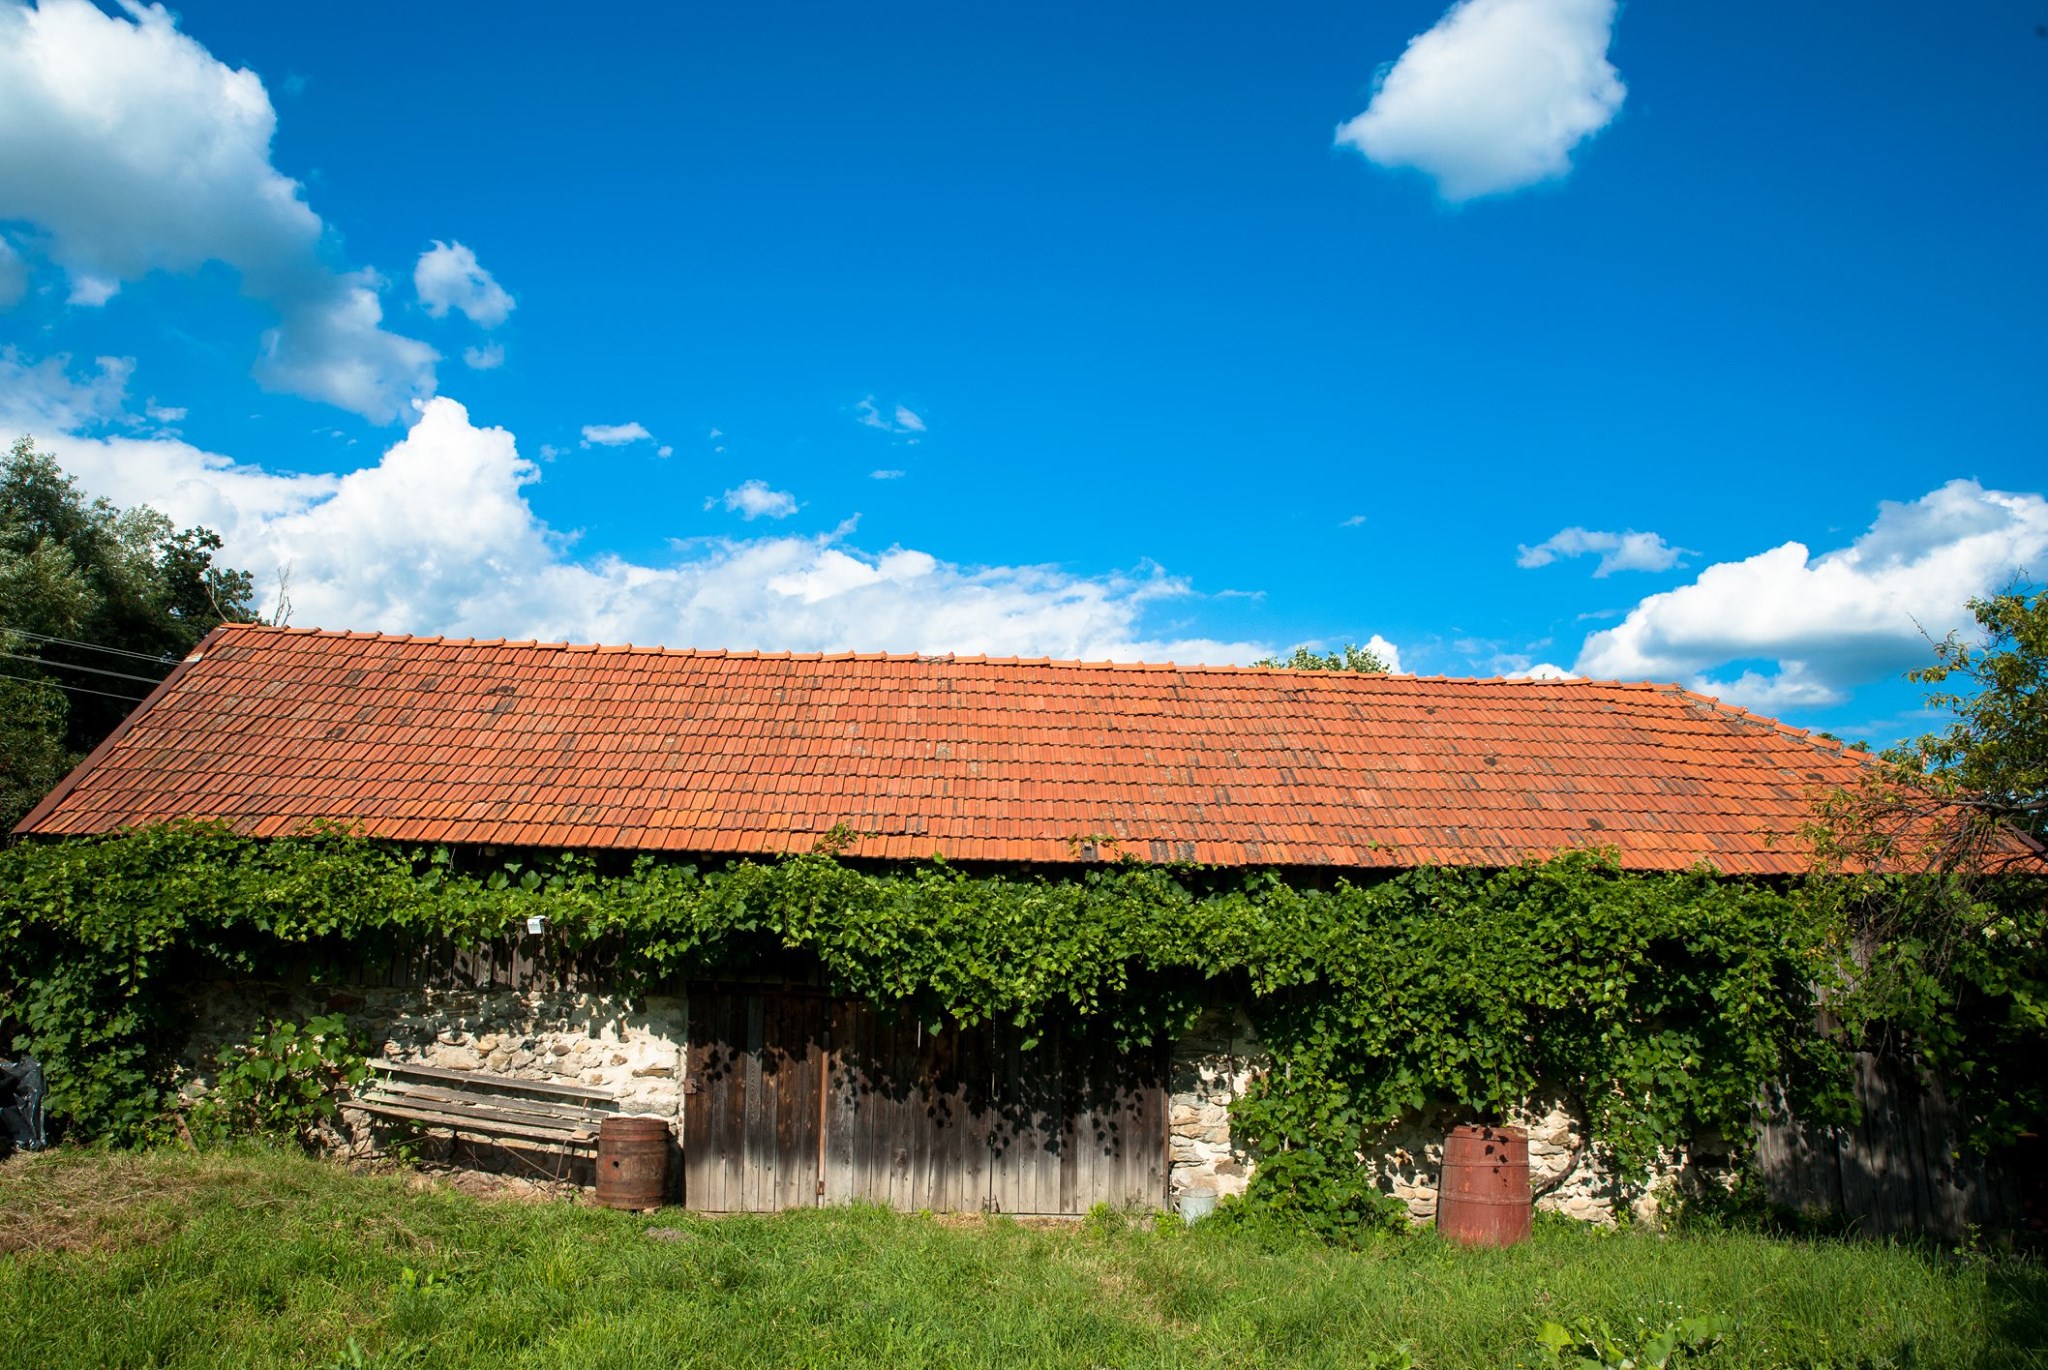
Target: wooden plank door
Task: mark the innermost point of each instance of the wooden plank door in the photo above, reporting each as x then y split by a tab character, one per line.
1078	1123
751	1100
950	1119
908	1113
1116	1132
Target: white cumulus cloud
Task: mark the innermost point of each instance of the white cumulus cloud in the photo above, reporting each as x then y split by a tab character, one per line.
236	500
1541	670
754	499
438	537
131	149
1496	96
448	276
1827	623
1630	551
489	357
614	434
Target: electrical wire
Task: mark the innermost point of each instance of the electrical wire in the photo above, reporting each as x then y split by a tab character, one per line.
160	658
74	689
89	670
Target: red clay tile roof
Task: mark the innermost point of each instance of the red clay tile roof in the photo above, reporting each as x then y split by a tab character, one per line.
985	760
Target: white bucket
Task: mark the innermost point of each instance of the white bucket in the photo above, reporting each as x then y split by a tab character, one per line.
1196	1205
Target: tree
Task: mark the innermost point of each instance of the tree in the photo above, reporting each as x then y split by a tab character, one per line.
1349	657
1934	864
97	604
1993	758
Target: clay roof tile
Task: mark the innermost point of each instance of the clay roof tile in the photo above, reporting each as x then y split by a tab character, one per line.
969	757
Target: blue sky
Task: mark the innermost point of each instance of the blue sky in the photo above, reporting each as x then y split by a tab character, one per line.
1700	343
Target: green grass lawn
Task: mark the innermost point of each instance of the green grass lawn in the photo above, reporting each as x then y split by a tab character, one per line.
259	1258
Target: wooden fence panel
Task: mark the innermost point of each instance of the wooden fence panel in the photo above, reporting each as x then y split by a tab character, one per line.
1900	1170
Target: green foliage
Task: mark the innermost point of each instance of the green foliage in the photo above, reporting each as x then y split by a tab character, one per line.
283	1085
1946	910
1349	657
1663	1004
33	720
1590	1344
81	569
1995	752
1400	1357
1660	1005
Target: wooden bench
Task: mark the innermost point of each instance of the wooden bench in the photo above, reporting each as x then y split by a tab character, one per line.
497	1106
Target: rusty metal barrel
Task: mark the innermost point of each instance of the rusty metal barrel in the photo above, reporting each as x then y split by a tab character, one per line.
632	1162
1482	1197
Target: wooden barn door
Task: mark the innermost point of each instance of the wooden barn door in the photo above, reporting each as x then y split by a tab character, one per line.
1077	1123
750	1099
956	1120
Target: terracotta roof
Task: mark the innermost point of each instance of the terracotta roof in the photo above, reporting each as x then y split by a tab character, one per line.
553	745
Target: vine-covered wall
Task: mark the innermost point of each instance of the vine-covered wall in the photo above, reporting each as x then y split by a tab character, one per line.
1657	1007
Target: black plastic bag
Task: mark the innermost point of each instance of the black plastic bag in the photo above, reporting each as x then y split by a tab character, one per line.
21	1105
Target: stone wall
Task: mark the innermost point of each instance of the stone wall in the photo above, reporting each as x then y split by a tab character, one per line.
1213	1064
630	1048
1217	1060
1565	1175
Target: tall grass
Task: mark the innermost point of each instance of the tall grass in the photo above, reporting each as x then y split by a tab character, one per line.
259	1258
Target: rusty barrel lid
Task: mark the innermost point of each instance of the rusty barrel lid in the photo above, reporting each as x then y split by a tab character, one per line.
629	1127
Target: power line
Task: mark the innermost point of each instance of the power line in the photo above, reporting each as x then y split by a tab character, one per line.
90	670
74	689
160	658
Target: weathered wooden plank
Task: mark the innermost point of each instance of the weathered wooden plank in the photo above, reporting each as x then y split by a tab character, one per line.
457	1100
971	1132
952	1174
720	1103
1859	1187
923	1124
756	1132
843	1108
408	1070
699	1161
1077	1122
475	1124
1027	1163
867	1177
797	1059
884	1102
898	1097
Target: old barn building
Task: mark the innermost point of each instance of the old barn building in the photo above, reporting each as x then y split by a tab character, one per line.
786	1095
